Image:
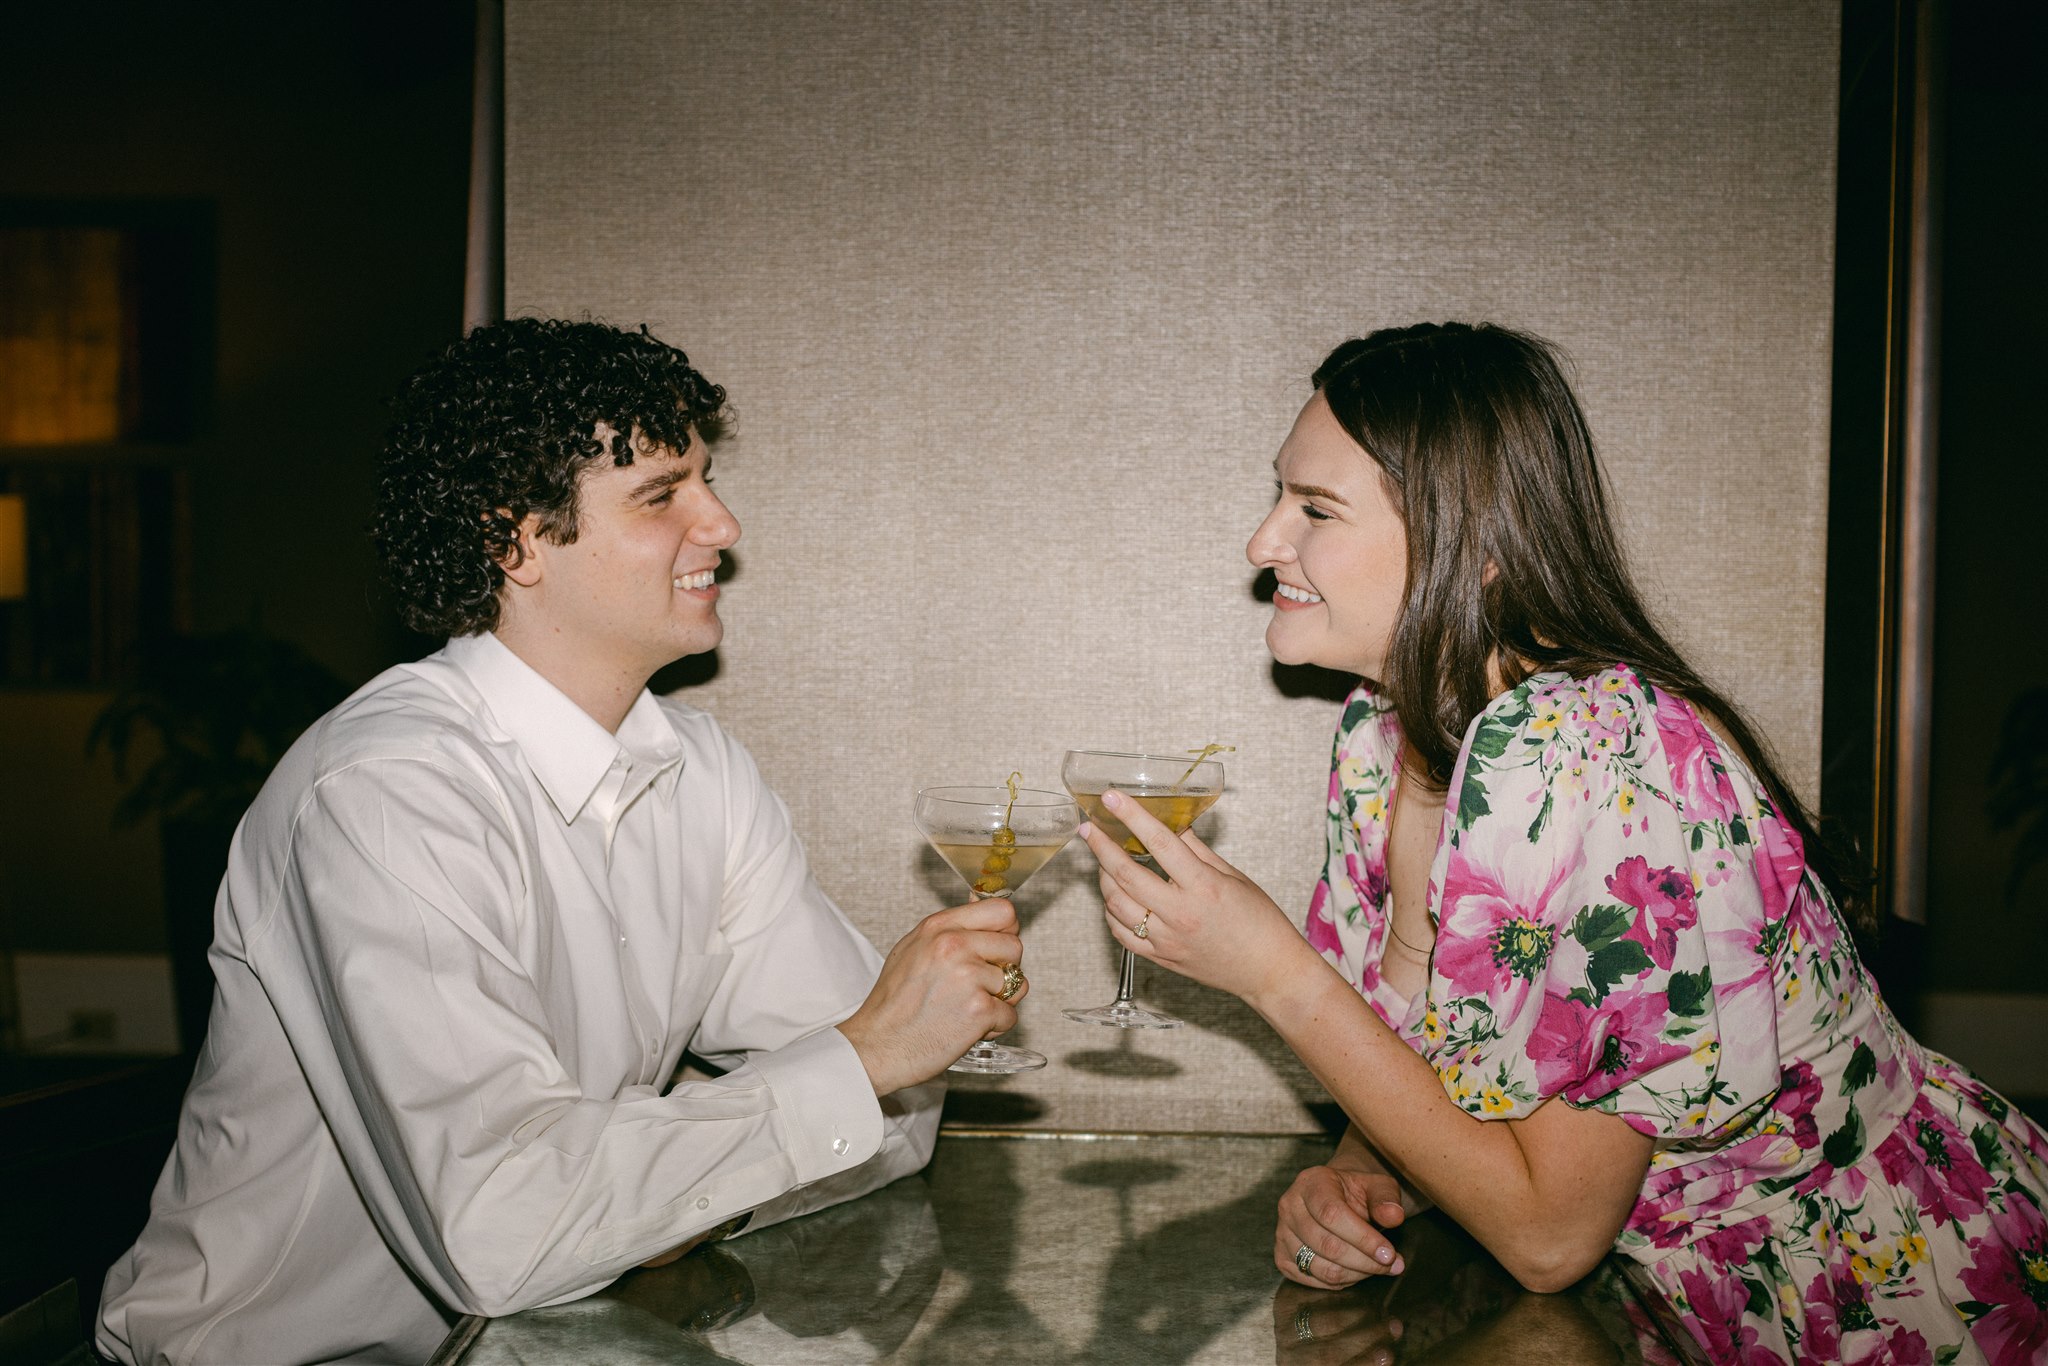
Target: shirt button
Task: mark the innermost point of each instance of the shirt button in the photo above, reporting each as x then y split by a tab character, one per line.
839	1147
703	1202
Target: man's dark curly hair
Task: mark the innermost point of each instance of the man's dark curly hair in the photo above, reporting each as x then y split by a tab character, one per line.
502	424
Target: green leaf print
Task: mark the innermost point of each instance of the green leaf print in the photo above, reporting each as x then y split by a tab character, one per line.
1984	1138
1738	832
1845	1144
1622	958
1598	926
1493	738
1862	1069
1542	819
1760	1300
1472	797
1945	1356
1688	992
1972	1310
1359	710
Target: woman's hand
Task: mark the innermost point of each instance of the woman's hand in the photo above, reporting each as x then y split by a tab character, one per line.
1209	922
1311	1329
1337	1215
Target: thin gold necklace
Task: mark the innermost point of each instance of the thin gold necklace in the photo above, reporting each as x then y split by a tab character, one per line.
1422	953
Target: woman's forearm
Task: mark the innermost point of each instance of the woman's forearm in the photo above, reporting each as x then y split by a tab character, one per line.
1355	1154
1548	1219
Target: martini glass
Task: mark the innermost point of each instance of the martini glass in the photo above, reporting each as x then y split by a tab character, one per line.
995	838
1175	788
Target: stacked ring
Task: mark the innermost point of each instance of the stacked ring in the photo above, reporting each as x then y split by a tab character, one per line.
1013	981
1304	1258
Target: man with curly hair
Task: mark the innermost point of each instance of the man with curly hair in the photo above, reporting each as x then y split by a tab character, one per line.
483	907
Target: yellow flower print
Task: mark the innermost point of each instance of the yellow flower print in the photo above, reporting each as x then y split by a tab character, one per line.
1374	806
1699	883
1861	1266
1351	769
1626	799
1432	1026
1788	1301
1494	1101
1792	987
1915	1249
1696	1117
1706	1050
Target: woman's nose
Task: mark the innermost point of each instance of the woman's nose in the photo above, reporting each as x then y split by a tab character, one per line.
1267	546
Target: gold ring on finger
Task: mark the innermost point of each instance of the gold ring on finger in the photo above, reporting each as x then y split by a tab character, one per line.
1013	981
1144	930
1304	1258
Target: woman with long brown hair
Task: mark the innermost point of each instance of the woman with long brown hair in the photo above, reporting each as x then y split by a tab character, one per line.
1576	967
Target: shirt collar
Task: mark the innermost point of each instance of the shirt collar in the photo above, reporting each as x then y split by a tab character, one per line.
568	752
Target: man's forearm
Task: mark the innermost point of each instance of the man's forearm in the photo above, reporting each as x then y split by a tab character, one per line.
910	1126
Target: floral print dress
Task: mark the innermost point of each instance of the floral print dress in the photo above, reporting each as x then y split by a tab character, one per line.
1625	921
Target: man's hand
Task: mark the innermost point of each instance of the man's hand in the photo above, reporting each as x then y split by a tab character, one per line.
938	994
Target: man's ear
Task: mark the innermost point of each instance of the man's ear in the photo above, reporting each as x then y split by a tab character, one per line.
522	562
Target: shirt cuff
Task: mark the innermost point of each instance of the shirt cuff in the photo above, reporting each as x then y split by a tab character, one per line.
832	1120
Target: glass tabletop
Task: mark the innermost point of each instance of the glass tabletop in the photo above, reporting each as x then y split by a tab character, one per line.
1061	1249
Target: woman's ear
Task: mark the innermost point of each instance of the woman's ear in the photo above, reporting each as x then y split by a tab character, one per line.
521	562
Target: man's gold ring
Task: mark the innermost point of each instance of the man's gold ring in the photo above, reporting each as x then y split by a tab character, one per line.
1013	981
1144	930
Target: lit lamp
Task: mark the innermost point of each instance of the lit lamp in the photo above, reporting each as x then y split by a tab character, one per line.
13	547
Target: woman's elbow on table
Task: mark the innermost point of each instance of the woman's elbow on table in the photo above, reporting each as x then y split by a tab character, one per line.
1547	1268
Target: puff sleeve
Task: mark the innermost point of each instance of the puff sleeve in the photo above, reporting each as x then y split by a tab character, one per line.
1605	916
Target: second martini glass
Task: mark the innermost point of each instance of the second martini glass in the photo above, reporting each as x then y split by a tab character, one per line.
995	838
1175	789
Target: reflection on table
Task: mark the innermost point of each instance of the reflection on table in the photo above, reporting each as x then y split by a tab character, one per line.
1050	1250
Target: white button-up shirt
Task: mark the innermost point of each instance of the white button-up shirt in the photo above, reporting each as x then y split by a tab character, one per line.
464	939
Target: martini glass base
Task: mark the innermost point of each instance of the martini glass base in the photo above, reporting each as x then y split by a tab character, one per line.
1124	1015
998	1059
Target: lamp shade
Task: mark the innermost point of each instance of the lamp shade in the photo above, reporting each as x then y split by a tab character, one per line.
13	546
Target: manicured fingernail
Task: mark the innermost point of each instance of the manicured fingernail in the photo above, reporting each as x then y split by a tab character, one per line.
1084	830
1113	799
1385	1254
1398	1267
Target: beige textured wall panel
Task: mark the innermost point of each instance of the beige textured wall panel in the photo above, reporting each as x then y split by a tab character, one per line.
1016	301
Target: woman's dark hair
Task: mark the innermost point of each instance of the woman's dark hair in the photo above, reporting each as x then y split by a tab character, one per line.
1511	552
501	425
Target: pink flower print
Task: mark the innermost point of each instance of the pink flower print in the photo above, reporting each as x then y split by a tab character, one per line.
1903	1348
1320	930
1368	879
1718	1302
1799	1092
1690	750
1820	1337
1928	1156
1584	1053
1665	898
1501	914
1780	872
1731	1246
2010	1273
